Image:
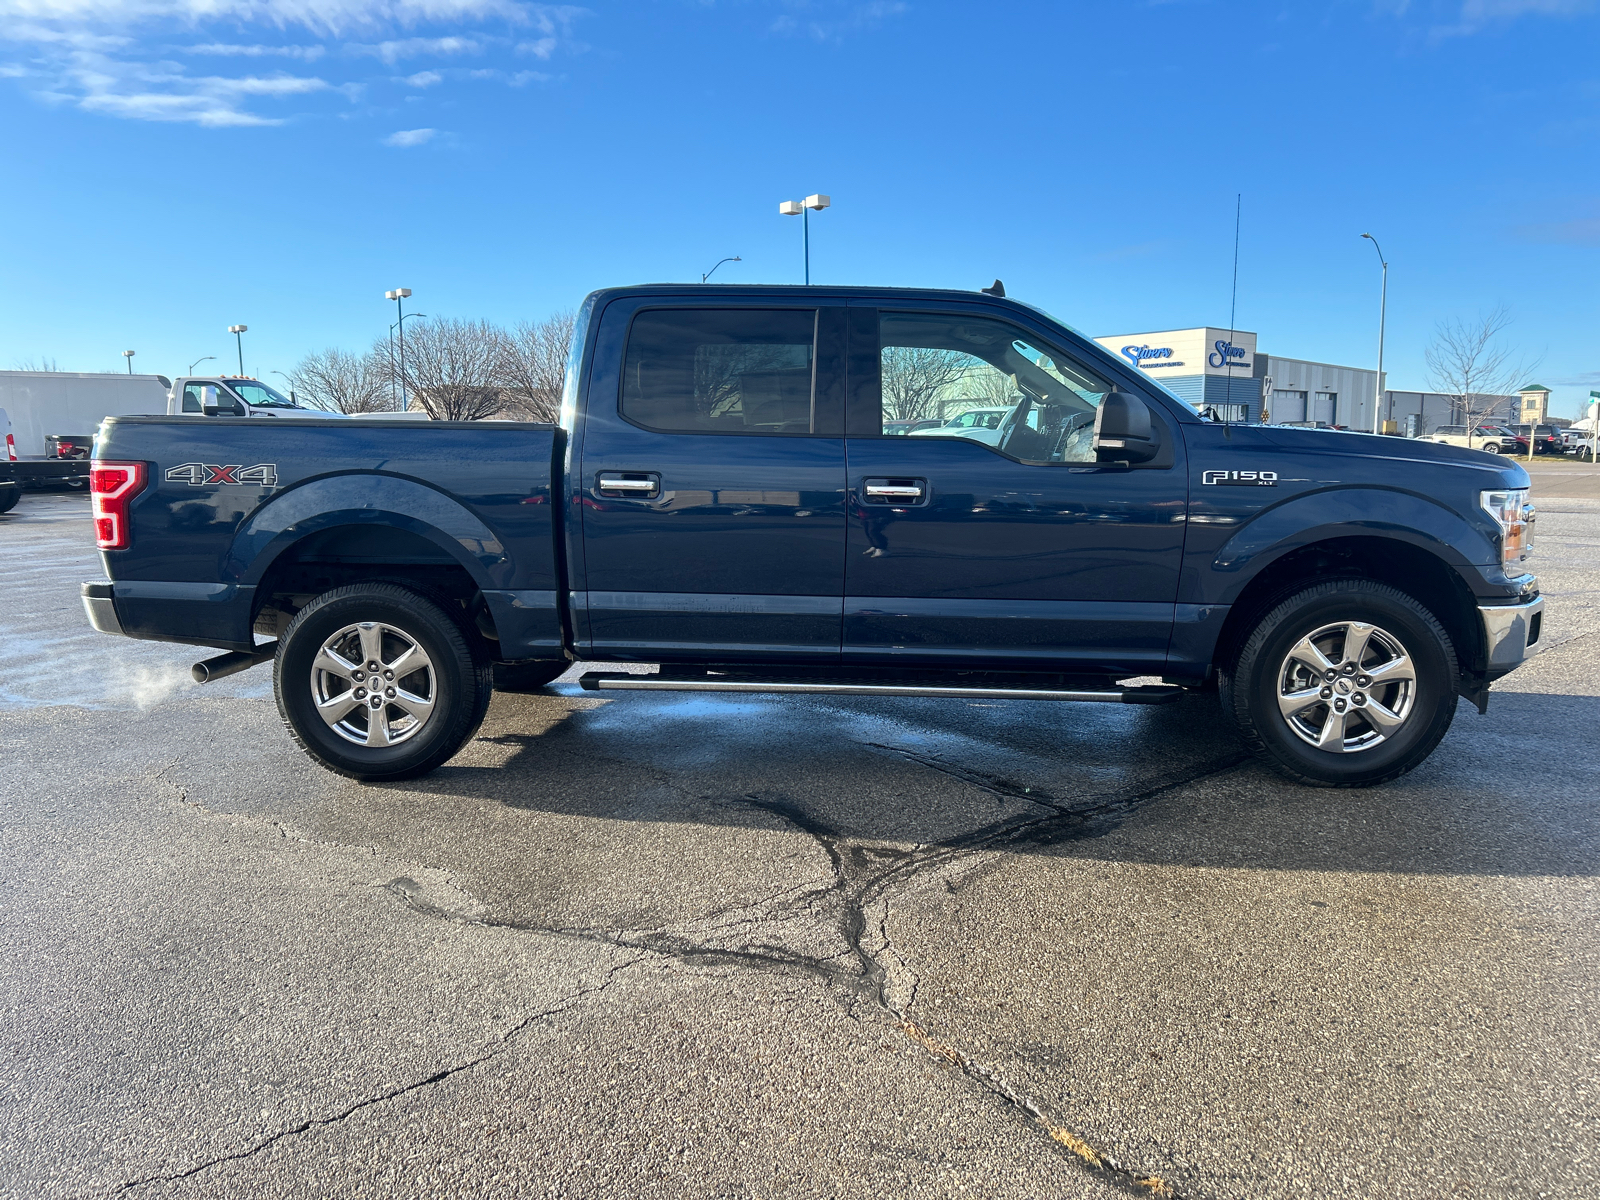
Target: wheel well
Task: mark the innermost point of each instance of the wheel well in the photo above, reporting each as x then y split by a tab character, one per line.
348	554
1428	579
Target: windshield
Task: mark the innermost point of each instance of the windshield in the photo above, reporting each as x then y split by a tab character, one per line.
259	395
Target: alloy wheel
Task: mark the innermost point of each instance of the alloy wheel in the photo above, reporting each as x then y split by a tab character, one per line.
1347	687
374	684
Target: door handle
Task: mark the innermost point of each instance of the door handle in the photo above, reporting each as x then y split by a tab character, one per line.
895	491
631	485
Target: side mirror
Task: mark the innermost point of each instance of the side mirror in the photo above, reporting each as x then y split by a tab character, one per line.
215	403
1122	430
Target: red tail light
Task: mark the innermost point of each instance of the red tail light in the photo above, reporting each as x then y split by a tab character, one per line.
112	487
11	447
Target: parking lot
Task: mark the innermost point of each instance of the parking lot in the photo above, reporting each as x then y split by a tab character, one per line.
668	945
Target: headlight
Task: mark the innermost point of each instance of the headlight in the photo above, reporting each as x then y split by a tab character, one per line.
1510	508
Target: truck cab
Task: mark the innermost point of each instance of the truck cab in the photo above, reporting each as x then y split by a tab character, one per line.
235	396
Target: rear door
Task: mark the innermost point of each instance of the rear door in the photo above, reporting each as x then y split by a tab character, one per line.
1023	553
711	483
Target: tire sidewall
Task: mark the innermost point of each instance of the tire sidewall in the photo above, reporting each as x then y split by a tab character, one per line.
418	618
1432	707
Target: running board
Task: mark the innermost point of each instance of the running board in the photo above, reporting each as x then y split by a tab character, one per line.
1147	693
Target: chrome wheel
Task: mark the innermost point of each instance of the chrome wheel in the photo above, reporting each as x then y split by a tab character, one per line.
1347	687
373	684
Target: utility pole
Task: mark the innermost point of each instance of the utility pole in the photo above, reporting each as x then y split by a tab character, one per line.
1383	316
398	295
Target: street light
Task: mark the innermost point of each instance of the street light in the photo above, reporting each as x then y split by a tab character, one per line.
128	354
197	362
713	270
1383	314
802	209
400	325
237	330
398	295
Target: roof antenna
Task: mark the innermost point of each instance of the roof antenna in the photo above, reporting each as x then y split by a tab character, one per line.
999	289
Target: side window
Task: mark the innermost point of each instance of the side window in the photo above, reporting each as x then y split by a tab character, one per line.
991	382
721	371
191	398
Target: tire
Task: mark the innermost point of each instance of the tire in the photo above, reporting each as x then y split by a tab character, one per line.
9	497
527	676
1281	697
429	714
1491	447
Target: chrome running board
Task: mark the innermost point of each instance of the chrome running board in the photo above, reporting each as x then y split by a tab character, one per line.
596	681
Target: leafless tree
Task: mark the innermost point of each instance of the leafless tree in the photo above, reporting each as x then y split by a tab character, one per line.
454	368
338	381
913	377
30	364
533	366
1470	363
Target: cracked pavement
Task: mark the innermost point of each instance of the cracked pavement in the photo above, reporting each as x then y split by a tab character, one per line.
672	945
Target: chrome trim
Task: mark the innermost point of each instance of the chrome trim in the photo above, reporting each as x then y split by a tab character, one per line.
1505	632
897	493
100	609
651	683
615	483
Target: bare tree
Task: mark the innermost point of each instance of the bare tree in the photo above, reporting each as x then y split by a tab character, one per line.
1470	363
30	364
533	366
454	368
338	381
913	376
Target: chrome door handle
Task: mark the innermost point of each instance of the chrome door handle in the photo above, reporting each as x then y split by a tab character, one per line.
634	485
894	491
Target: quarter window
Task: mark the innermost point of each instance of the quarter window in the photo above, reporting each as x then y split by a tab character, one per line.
721	371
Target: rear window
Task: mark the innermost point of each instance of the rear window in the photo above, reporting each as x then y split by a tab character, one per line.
721	371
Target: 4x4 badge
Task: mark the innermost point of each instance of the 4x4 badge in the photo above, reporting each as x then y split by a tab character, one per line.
200	474
1240	478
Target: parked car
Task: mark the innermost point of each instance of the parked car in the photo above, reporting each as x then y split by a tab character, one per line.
1546	438
900	428
1492	438
236	396
1577	441
981	425
719	499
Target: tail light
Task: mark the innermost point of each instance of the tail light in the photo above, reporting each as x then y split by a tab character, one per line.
112	487
11	447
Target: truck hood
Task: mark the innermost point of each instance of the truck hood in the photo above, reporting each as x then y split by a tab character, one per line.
1500	470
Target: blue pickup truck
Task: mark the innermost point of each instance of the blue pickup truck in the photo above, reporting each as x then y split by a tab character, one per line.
721	498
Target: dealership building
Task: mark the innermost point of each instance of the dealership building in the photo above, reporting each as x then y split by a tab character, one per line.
1222	369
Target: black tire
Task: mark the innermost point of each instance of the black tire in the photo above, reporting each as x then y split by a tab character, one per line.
527	676
1491	447
456	684
9	497
1268	666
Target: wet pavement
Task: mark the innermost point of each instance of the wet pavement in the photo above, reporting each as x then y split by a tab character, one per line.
677	946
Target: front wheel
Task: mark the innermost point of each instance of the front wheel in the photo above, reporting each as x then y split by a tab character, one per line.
1348	683
9	497
1491	447
378	683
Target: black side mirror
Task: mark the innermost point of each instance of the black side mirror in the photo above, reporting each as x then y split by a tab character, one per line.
1122	430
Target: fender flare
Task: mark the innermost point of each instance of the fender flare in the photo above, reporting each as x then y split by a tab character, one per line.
1392	513
365	498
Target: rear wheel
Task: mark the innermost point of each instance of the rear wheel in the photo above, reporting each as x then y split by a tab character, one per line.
9	497
1348	683
377	682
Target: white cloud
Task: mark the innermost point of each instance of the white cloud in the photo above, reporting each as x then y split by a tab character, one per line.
423	79
1480	14
229	50
543	48
409	137
393	51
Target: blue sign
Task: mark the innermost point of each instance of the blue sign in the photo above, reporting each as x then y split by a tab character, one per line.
1136	354
1225	353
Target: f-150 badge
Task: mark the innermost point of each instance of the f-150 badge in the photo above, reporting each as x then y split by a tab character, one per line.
201	474
1240	478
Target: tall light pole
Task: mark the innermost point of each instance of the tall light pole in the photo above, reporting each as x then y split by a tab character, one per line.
1383	316
713	270
802	209
398	295
197	362
400	325
128	356
237	331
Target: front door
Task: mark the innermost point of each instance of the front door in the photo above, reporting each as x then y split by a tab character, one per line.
711	484
1015	550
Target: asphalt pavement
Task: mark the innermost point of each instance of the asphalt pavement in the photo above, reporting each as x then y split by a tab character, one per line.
676	946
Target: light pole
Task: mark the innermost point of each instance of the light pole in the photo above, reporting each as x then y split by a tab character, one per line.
400	325
1383	316
713	270
237	331
287	380
128	355
398	295
197	362
802	209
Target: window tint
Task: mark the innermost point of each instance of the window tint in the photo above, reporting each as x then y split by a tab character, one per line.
989	381
720	371
191	398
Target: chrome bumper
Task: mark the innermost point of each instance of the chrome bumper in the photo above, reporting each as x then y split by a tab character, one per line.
1511	633
98	607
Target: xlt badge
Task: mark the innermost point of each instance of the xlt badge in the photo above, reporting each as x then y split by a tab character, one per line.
1240	478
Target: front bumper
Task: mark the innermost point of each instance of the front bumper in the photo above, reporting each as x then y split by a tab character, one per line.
98	606
1511	633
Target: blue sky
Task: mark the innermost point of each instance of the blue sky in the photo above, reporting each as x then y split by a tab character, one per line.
175	166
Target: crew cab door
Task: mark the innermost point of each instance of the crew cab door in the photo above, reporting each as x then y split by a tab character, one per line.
1023	554
708	482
